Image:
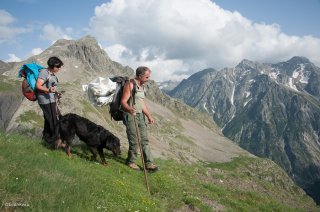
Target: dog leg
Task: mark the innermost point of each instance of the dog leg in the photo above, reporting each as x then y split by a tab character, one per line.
59	144
103	160
94	153
68	150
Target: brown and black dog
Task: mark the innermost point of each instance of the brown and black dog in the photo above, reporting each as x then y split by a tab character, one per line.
95	136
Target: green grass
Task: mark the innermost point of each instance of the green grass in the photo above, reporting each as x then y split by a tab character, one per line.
9	87
35	178
31	117
87	107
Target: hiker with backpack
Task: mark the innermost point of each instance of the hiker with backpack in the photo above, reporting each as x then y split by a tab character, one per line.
46	87
133	104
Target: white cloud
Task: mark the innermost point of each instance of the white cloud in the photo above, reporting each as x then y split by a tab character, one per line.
178	38
7	31
6	18
53	33
13	58
161	67
36	51
117	52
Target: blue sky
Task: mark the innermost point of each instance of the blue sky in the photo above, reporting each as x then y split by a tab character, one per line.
174	37
296	17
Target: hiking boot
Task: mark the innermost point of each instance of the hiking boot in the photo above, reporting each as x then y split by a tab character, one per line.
152	167
133	166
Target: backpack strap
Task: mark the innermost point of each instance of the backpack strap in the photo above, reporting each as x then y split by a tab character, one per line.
48	78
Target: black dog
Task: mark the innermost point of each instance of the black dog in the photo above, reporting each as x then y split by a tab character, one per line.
95	136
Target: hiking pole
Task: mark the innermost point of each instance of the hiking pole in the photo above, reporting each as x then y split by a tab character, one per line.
142	157
140	146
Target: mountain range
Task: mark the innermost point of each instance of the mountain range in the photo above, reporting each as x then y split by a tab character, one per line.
271	110
242	101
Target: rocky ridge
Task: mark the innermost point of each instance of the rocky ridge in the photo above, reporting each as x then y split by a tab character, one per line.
271	110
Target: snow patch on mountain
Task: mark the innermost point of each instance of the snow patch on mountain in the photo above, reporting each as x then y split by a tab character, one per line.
292	85
273	75
204	106
232	95
247	102
300	74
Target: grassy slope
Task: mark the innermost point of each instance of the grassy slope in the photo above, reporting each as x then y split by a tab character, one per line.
34	177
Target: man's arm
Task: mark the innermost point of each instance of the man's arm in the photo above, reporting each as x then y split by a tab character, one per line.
125	97
146	112
40	87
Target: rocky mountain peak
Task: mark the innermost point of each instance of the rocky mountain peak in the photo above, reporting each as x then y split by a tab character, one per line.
88	39
60	42
192	92
85	49
299	60
247	67
271	110
83	60
294	64
204	73
245	63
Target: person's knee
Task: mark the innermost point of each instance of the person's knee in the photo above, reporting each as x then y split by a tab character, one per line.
144	142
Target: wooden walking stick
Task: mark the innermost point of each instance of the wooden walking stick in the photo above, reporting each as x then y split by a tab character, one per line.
139	143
